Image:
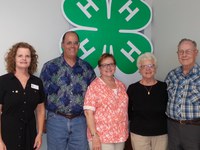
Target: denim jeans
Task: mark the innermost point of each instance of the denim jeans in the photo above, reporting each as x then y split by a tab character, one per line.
66	134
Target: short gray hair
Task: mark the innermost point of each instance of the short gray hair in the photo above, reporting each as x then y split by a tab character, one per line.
146	56
187	40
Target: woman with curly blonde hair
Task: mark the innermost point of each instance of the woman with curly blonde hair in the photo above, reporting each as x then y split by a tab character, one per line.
21	96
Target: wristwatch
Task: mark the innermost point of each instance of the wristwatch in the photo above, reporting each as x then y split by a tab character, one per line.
94	134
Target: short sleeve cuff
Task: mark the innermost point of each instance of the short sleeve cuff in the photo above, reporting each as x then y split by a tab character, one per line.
89	108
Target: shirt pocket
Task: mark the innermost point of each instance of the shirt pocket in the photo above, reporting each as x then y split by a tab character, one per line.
34	96
171	91
194	95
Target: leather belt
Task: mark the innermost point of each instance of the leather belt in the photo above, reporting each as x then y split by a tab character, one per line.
188	122
68	116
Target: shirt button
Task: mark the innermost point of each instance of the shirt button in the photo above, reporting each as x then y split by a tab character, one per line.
24	102
24	93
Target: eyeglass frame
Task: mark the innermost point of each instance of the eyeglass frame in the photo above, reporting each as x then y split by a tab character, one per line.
107	65
187	52
148	66
74	43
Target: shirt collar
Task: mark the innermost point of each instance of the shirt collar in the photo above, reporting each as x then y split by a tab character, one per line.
12	76
64	62
192	71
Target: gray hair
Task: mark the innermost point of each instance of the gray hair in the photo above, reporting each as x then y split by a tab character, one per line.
146	56
187	40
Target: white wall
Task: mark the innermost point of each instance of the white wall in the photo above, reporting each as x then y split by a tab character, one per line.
172	21
39	23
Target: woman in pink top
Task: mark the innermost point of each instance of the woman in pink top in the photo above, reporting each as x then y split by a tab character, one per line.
105	107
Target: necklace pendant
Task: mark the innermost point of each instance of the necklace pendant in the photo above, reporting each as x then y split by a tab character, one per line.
148	93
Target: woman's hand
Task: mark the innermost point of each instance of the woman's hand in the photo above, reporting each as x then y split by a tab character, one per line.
38	142
2	146
96	143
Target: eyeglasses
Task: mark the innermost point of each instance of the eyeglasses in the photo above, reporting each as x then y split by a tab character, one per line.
187	52
76	43
149	66
107	65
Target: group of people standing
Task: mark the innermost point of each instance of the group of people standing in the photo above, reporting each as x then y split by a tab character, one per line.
98	113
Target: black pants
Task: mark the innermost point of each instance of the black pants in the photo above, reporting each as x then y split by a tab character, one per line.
183	137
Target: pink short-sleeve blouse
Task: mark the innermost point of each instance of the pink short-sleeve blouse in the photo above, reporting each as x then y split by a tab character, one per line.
110	110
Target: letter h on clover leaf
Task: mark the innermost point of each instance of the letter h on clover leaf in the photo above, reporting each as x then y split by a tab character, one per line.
112	26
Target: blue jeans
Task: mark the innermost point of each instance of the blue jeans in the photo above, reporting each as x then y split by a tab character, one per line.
66	134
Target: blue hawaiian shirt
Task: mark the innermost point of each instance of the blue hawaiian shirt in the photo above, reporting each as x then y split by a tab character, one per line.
65	86
184	94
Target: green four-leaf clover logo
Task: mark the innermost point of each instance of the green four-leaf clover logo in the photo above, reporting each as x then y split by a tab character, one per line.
113	26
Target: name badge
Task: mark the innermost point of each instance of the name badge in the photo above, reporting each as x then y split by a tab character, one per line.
33	86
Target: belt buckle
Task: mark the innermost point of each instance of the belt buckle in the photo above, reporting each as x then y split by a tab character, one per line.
69	116
181	121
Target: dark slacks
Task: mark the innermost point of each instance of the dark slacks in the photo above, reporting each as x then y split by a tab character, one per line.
183	137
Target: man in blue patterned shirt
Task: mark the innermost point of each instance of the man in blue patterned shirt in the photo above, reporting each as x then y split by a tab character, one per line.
183	108
65	80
